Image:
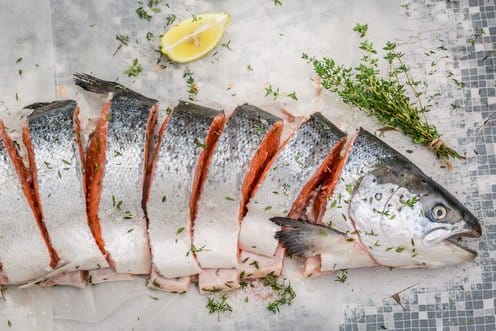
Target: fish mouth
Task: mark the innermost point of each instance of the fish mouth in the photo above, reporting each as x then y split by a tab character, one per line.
456	242
448	236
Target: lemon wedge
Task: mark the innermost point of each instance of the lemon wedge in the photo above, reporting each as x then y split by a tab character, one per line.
195	37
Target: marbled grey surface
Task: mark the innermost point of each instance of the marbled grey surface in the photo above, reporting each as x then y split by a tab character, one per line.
58	37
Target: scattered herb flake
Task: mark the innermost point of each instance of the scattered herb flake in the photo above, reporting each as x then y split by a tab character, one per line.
190	82
218	306
134	70
199	143
342	276
292	95
123	39
285	293
180	230
227	45
143	14
170	19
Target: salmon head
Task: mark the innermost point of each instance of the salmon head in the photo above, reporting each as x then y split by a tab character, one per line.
405	219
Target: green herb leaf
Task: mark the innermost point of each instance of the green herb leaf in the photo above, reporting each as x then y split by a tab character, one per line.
342	276
218	306
170	19
134	70
284	293
190	81
227	45
143	14
123	39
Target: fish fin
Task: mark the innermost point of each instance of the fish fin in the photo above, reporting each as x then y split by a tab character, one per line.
40	108
302	238
96	85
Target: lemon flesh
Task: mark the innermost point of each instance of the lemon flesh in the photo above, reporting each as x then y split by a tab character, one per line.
193	38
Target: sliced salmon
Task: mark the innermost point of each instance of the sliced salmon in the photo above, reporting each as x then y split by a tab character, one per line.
51	139
289	180
116	169
26	250
186	141
249	140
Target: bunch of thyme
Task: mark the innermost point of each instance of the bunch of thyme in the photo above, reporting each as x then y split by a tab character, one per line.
383	96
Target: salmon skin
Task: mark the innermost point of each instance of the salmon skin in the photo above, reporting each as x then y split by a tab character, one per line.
288	182
230	181
116	163
51	138
23	251
186	140
383	211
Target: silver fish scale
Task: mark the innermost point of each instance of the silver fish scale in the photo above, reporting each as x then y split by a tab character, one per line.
121	215
366	154
23	253
171	187
216	224
60	186
294	166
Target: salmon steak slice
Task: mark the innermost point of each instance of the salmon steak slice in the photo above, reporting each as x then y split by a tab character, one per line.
117	158
247	143
24	250
186	140
51	137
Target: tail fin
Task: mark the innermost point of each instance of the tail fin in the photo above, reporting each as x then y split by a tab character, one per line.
302	238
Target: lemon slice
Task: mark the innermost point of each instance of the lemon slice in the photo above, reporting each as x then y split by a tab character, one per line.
193	38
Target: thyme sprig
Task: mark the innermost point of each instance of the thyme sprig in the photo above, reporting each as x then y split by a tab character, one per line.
383	95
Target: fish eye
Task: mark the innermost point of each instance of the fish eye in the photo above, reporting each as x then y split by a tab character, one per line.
439	212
